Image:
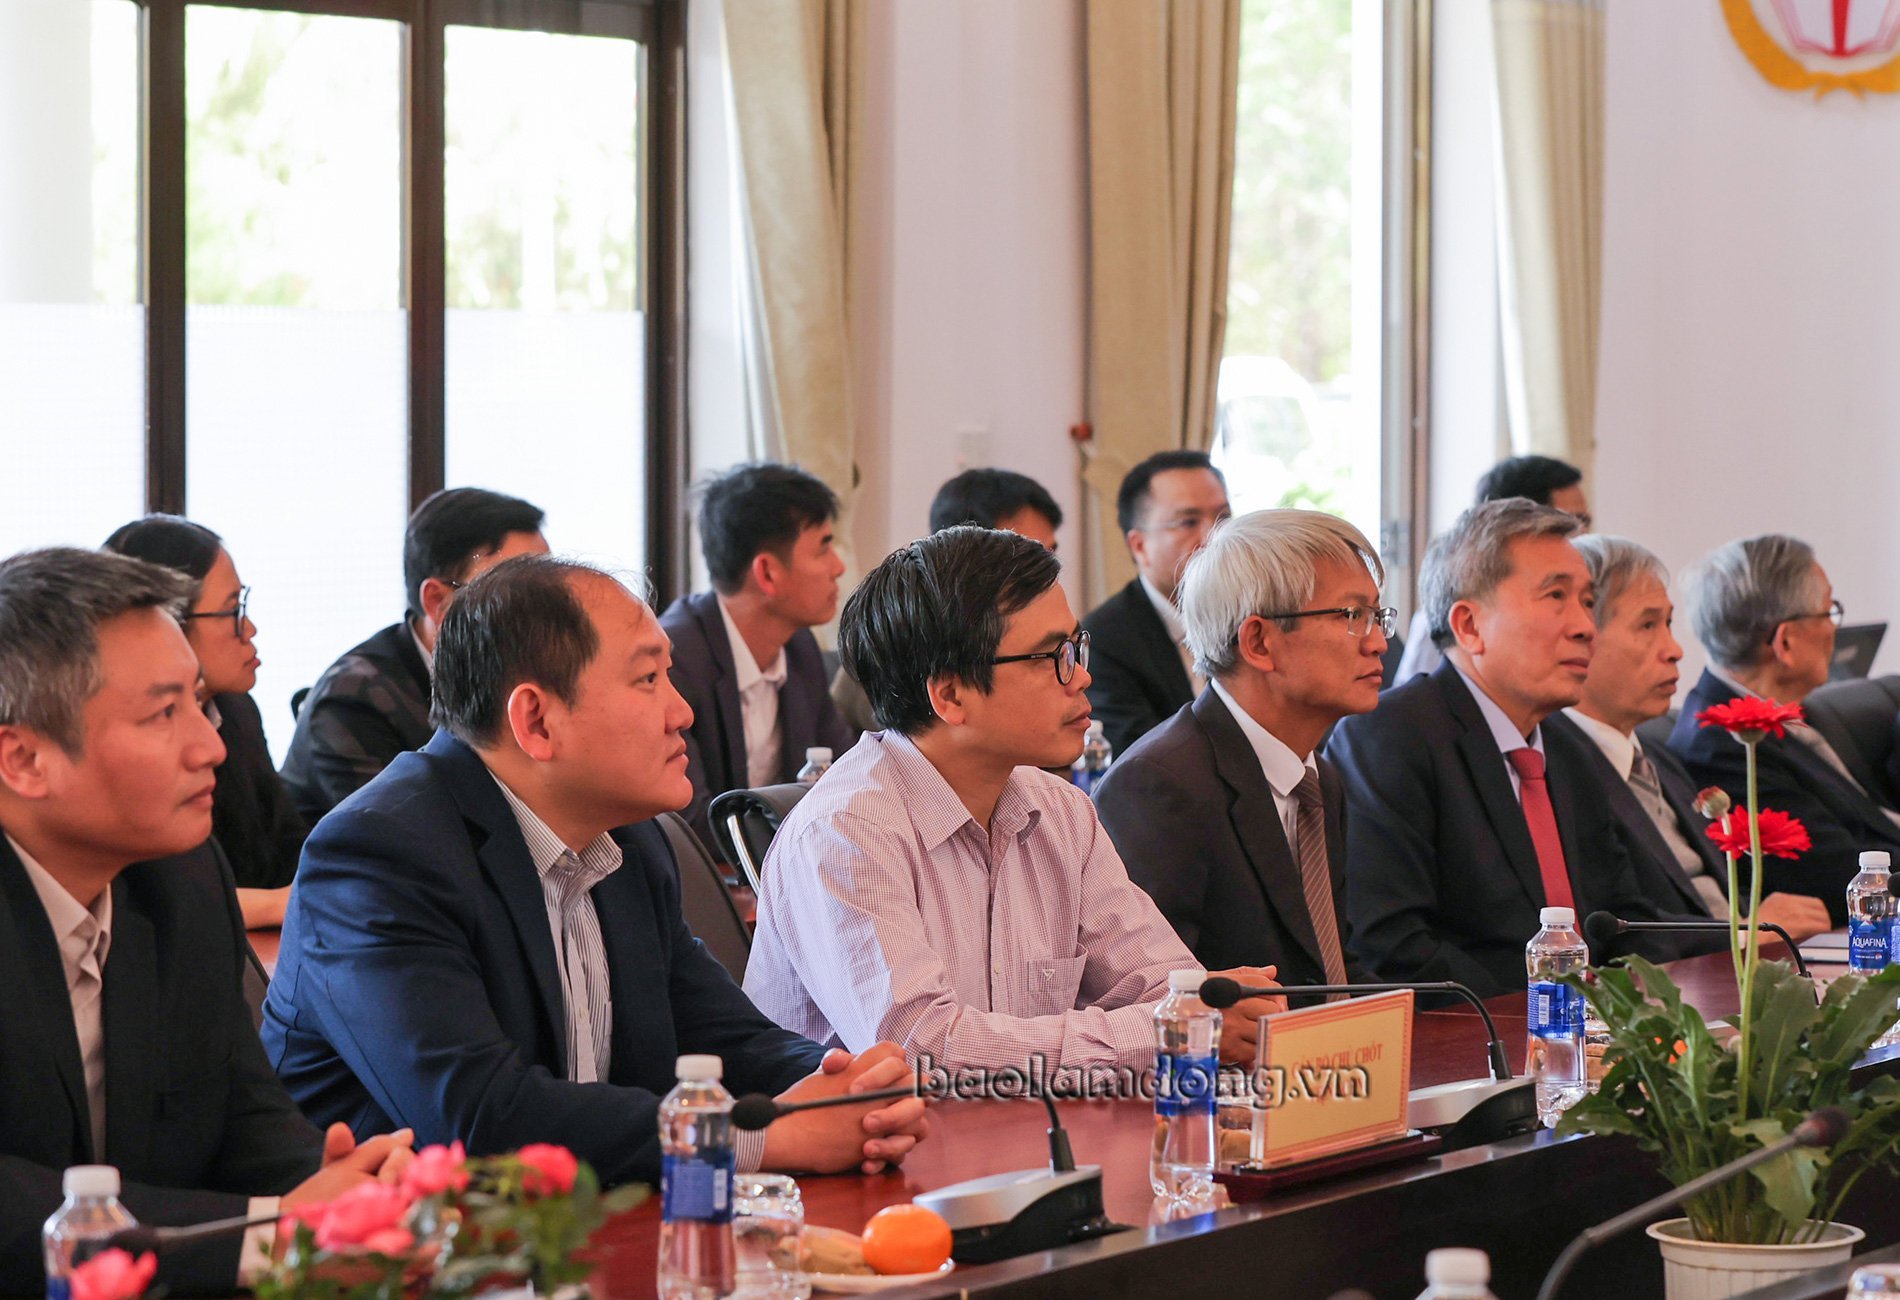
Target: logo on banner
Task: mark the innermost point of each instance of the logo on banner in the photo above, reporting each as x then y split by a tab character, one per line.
1820	45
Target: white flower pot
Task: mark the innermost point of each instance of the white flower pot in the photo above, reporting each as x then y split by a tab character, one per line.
1713	1270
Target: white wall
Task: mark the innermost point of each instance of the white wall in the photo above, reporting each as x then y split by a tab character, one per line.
1751	309
969	329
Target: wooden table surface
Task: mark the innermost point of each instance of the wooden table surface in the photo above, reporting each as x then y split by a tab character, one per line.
972	1139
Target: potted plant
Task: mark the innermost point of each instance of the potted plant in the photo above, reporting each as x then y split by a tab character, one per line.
1698	1101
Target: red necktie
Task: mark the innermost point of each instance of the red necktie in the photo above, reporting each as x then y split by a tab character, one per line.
1535	796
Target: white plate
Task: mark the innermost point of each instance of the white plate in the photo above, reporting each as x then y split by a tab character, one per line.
865	1283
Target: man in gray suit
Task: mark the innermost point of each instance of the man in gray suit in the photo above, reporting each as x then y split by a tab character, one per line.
1225	813
1632	679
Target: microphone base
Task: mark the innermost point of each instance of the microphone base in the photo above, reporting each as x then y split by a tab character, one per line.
1473	1111
1006	1215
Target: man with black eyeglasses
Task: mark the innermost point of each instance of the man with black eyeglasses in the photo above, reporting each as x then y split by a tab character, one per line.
1225	813
936	888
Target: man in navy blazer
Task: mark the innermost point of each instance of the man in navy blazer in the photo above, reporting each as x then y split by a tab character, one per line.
1208	810
124	1035
1458	839
486	940
743	653
1765	611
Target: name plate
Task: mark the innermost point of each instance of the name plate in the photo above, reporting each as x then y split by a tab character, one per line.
1332	1078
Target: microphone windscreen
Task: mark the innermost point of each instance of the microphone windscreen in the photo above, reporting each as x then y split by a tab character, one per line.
754	1111
1219	992
1601	927
1823	1128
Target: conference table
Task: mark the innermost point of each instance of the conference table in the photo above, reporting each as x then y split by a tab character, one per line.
1521	1199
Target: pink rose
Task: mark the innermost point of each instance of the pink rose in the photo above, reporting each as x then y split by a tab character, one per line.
113	1275
549	1170
436	1170
368	1217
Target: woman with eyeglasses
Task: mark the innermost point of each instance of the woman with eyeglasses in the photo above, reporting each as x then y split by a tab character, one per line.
251	813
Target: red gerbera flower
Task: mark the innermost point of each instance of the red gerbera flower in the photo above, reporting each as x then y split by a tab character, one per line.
1748	718
1782	836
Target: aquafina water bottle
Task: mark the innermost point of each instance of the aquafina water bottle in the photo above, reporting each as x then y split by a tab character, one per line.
1870	915
1092	764
1554	1056
696	1159
1187	1069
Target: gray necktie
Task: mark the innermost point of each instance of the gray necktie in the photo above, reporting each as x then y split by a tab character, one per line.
1316	878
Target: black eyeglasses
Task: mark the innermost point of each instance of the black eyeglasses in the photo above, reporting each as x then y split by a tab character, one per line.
1359	618
1070	655
1835	613
236	614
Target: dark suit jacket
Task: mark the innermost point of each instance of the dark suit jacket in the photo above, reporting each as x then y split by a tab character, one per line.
1136	677
1660	875
417	982
1442	879
369	706
261	832
715	744
1194	820
1791	778
195	1121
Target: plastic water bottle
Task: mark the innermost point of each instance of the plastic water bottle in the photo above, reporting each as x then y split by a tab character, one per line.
1870	915
90	1213
1554	1055
1187	1069
817	763
1457	1273
696	1158
1093	762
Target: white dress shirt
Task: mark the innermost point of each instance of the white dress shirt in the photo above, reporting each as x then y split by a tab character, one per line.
1177	631
1283	768
758	705
1504	731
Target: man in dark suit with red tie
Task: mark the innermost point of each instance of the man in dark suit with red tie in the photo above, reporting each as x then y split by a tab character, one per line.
1225	813
1467	816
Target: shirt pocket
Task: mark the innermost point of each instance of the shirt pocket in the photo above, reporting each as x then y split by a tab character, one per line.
1050	984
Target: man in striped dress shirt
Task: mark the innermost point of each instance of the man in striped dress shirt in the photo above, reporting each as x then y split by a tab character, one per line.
936	889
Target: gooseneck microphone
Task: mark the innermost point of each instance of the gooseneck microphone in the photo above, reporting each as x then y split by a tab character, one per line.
1599	928
755	1110
1823	1128
141	1238
1220	992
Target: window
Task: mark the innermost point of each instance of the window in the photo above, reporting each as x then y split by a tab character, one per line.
1307	414
72	372
291	265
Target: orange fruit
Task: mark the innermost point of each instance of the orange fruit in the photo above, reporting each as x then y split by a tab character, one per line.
906	1239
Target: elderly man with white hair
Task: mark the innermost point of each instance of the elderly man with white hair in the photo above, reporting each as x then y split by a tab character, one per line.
1225	813
1632	679
1765	611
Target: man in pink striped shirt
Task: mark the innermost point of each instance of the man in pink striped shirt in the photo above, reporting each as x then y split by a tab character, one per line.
937	889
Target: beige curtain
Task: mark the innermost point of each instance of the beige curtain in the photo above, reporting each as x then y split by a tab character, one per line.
797	87
1162	77
1550	115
